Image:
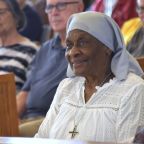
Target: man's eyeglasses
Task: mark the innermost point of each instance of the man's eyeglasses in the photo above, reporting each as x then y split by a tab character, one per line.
3	10
140	9
59	6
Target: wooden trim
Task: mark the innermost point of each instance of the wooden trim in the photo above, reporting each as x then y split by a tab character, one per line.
141	62
8	110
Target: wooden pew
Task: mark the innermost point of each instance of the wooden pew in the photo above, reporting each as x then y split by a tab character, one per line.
141	62
8	111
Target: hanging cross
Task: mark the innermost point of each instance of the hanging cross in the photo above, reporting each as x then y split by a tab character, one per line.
74	132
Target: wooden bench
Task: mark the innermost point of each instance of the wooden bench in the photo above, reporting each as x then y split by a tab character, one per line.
141	62
8	111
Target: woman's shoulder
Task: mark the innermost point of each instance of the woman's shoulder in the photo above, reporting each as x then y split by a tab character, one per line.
130	83
134	79
28	42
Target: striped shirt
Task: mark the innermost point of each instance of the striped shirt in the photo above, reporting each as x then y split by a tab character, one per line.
16	59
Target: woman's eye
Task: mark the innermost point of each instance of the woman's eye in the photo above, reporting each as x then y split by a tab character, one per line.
68	46
82	43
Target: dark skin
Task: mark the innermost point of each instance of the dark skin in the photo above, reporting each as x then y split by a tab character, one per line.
88	58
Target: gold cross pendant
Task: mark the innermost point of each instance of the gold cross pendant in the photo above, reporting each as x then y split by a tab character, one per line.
74	132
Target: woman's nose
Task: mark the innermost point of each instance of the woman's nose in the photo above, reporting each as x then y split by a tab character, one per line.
74	52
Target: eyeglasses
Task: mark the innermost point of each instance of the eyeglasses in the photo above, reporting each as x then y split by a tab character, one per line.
140	9
3	10
59	6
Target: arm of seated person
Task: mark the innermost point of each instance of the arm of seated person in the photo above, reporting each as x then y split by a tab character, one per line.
21	101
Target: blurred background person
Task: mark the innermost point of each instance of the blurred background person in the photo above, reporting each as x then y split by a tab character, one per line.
135	45
123	11
104	6
16	51
129	28
119	10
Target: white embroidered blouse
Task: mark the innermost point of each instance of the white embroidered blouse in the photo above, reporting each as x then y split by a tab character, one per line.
112	114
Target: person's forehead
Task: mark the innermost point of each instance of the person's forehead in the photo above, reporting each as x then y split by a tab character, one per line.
77	34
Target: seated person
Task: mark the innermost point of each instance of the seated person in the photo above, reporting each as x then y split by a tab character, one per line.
16	51
48	68
129	28
123	11
102	100
104	6
119	10
136	44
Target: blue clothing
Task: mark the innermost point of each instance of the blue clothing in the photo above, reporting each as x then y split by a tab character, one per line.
34	27
48	69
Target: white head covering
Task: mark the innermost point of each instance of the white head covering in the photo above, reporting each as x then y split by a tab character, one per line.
103	28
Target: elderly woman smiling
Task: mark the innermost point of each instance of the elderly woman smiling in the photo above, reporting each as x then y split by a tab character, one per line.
103	98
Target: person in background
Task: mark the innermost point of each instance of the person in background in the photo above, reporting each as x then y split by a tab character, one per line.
123	11
136	45
48	68
16	51
129	28
34	26
119	10
104	6
103	100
